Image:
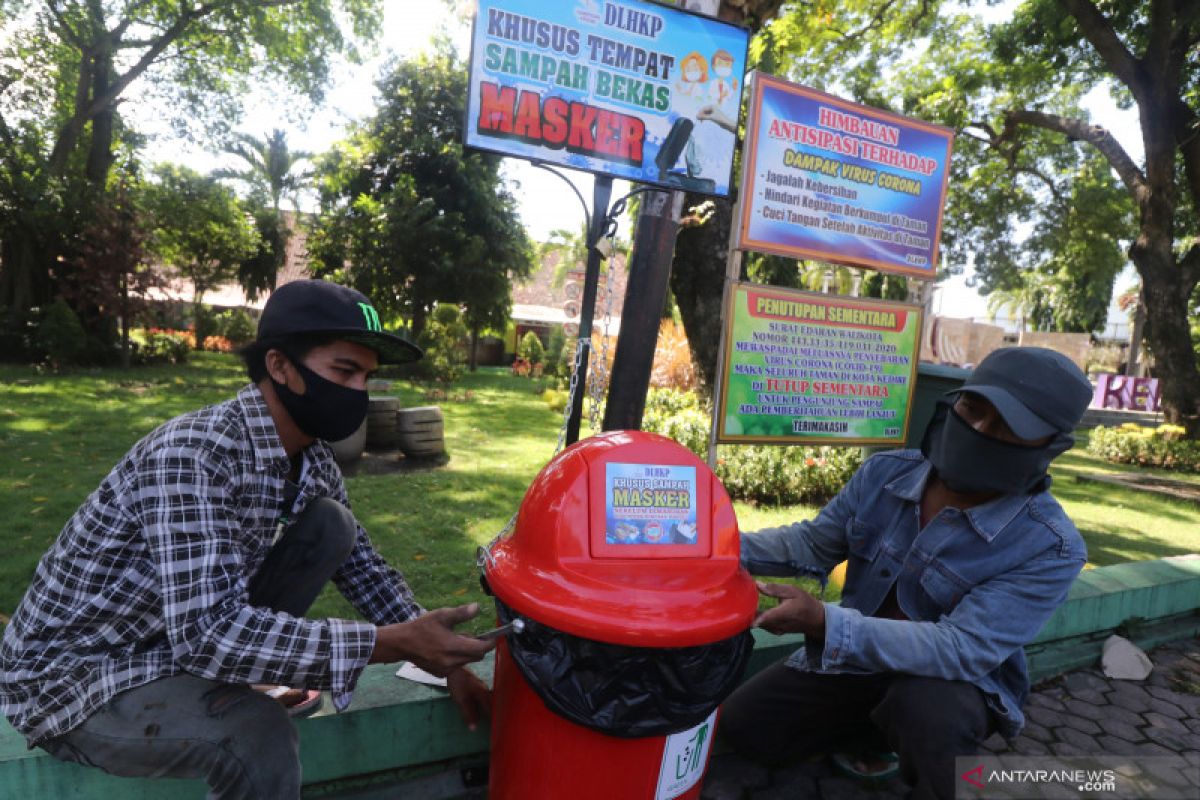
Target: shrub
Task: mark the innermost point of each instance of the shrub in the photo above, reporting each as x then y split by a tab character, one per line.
205	323
218	344
780	475
1164	446
16	333
566	358
60	334
787	475
161	346
531	349
237	326
554	353
444	341
556	399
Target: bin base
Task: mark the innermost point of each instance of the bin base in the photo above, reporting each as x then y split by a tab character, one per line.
538	755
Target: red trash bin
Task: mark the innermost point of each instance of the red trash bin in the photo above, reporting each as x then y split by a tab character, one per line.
623	563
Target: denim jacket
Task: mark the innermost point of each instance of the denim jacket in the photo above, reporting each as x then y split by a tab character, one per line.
976	585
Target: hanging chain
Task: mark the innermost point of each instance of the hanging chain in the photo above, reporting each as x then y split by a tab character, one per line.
596	382
571	390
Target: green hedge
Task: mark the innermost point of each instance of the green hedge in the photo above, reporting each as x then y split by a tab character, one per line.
161	346
1164	446
777	475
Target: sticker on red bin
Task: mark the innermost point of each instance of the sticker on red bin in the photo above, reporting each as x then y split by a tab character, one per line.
649	504
685	756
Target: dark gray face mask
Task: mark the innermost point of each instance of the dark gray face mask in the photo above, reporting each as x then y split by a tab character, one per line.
969	462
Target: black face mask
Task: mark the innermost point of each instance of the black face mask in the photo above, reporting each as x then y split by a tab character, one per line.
970	462
326	410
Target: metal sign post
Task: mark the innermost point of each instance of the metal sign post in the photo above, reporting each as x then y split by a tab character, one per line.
733	273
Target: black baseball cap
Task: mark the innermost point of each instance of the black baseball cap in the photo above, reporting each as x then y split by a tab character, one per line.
1038	392
316	306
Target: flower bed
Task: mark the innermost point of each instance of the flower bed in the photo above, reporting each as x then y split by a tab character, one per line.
1164	446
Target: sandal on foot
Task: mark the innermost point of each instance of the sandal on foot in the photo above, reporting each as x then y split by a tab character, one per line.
298	702
867	766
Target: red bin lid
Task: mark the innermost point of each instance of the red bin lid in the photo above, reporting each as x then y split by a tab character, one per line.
627	538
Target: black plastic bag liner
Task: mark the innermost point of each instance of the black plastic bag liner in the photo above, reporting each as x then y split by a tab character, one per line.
626	691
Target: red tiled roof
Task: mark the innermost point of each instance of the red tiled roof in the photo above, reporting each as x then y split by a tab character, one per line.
539	289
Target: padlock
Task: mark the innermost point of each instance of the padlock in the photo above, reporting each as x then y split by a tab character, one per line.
604	247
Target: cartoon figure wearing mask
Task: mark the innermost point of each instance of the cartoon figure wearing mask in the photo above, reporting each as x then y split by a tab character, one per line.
690	136
691	87
956	555
722	90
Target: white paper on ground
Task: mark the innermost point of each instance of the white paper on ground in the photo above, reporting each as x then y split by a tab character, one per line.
1124	660
411	672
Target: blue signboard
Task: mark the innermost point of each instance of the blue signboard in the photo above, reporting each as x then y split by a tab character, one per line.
832	180
630	89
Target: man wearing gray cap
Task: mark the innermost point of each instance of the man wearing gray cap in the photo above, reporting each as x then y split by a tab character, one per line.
187	576
957	556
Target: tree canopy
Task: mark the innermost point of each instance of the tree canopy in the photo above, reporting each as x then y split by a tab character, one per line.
412	218
66	66
270	167
200	230
270	173
1040	195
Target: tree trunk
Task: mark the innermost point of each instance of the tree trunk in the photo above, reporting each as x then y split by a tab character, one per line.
697	278
418	320
473	359
198	291
126	356
24	282
1133	365
1169	337
698	269
100	151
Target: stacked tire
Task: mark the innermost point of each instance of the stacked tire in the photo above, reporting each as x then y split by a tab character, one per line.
347	451
421	431
381	423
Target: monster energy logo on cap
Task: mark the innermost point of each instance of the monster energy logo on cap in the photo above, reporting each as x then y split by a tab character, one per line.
371	316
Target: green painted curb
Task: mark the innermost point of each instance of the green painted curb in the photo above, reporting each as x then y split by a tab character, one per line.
395	727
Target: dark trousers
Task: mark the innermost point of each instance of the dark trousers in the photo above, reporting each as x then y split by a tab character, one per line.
241	742
782	713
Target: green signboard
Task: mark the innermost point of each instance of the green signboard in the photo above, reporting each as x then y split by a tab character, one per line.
814	368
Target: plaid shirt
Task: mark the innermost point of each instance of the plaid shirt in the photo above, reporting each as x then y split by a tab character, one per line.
149	578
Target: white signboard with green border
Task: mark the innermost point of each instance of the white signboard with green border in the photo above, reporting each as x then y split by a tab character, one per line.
807	368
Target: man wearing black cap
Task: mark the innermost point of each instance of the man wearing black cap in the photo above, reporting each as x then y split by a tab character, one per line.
184	578
957	555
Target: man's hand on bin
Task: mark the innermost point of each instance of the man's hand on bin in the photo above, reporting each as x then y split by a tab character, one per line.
429	641
471	695
797	612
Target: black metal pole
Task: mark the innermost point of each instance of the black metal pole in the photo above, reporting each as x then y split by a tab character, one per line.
601	194
645	296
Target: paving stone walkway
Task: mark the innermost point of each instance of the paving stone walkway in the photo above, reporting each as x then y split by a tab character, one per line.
1081	713
1168	487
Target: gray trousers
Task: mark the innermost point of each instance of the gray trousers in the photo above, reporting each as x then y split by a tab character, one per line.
241	742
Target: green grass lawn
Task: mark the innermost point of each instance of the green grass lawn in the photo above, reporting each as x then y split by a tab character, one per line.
60	434
1124	524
